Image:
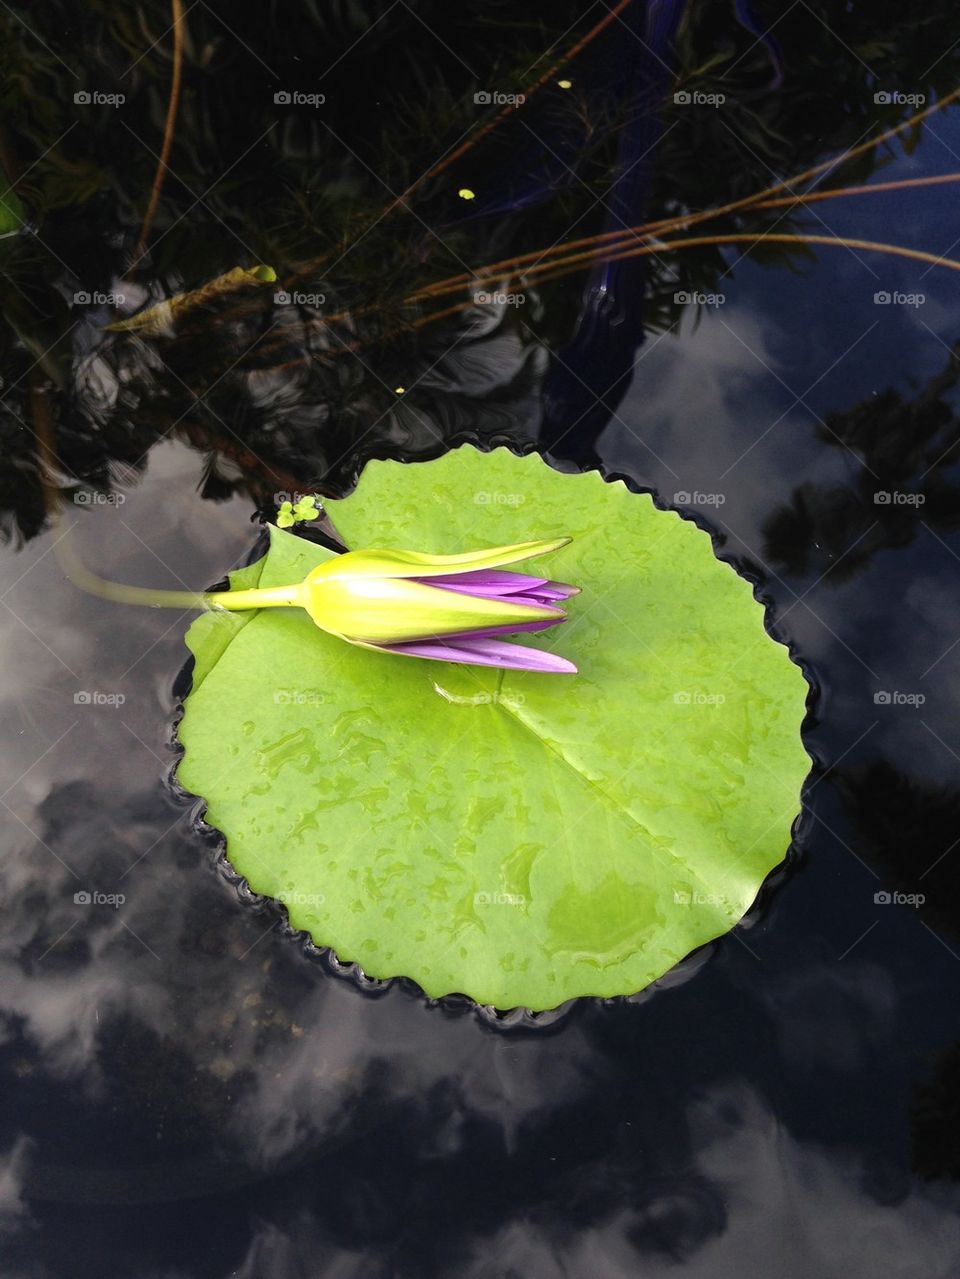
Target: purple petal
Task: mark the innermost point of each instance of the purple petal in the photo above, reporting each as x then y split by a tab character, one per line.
558	590
535	599
483	582
485	652
489	582
508	628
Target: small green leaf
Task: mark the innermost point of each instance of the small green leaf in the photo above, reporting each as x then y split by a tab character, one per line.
290	513
306	509
516	837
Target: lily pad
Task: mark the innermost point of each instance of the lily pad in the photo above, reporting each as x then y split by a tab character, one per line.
520	838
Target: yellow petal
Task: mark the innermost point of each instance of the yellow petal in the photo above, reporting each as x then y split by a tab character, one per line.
391	563
390	610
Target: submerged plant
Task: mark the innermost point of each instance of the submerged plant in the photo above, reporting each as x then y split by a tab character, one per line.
449	608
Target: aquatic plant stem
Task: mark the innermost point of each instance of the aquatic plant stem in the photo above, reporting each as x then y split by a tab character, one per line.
612	241
629	235
874	188
168	131
752	238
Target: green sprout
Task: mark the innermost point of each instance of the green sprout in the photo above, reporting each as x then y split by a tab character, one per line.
291	513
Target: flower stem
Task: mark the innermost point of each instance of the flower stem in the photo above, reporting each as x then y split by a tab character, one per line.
260	597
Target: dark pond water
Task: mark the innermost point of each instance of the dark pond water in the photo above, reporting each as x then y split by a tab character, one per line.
186	1095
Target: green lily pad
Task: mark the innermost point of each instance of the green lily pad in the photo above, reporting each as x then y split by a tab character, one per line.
520	838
